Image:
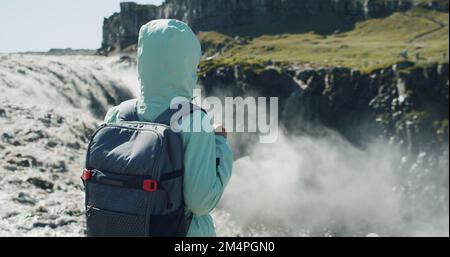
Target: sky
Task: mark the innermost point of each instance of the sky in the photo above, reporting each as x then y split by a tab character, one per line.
39	25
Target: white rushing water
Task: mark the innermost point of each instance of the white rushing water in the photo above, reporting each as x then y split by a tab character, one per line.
307	186
299	186
48	107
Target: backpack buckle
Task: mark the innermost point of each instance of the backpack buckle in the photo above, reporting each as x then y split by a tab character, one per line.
150	185
87	175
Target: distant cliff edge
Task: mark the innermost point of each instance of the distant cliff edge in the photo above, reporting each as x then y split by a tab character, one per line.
120	31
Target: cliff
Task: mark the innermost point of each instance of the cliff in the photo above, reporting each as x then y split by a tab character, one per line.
383	89
121	29
405	103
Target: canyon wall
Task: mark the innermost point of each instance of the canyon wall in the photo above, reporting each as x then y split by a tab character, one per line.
403	103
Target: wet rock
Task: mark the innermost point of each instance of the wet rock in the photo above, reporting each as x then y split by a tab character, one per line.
55	177
304	75
52	119
10	167
22	160
74	145
240	40
51	143
34	135
10	215
402	65
442	69
58	166
315	83
2	113
53	225
125	58
15	182
271	81
41	209
437	5
10	139
41	183
65	222
44	225
86	131
25	199
74	211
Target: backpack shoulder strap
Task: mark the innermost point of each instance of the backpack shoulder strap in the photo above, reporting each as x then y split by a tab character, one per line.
128	111
180	110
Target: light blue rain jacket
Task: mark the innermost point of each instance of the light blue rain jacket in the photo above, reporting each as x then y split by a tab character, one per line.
168	57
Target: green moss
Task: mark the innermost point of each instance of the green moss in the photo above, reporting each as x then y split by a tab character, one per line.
366	45
384	118
416	117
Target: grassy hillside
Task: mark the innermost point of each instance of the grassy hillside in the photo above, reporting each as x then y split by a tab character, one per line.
329	41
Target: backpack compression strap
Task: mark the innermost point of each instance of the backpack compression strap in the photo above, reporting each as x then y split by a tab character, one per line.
128	111
177	111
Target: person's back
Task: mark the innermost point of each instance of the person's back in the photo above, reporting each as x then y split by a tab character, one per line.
168	57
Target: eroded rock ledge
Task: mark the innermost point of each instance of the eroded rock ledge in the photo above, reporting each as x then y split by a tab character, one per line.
404	103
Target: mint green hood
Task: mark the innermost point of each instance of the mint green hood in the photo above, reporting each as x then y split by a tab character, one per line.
168	56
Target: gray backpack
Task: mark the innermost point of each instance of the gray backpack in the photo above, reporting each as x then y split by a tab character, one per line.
134	178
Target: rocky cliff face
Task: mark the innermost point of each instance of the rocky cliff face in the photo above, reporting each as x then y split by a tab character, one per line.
401	107
407	104
121	29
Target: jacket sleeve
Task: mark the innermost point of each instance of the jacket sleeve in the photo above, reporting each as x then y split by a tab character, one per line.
111	116
204	180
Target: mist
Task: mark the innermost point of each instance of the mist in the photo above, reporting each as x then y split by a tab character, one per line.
317	183
309	186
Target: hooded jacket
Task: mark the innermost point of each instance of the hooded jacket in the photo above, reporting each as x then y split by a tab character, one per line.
168	57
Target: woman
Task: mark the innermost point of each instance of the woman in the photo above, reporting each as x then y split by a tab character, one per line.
168	57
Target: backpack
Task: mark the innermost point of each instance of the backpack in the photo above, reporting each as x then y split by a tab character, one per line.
134	177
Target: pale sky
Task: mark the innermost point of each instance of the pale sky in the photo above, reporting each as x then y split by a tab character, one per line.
38	25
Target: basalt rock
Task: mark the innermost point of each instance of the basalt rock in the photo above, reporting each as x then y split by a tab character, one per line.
439	5
41	183
409	106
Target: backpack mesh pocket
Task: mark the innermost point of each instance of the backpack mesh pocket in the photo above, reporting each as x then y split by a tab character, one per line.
102	223
174	224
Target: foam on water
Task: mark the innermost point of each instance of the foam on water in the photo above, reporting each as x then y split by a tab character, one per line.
305	186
